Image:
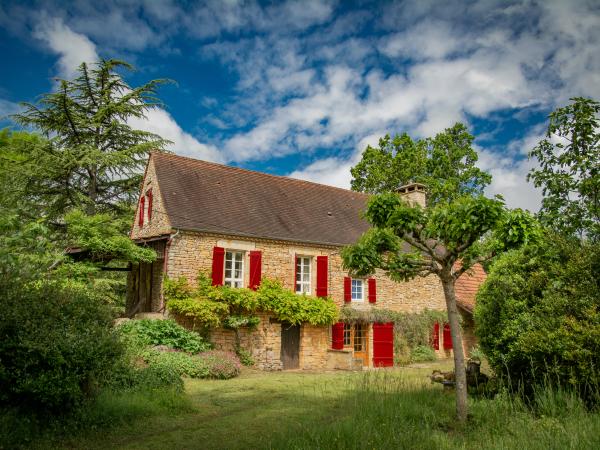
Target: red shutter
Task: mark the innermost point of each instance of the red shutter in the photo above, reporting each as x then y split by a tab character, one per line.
347	289
255	269
149	195
321	276
447	337
383	344
372	290
295	273
436	336
141	220
218	265
337	336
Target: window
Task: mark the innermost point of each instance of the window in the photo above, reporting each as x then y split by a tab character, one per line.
347	335
234	269
357	290
360	337
302	275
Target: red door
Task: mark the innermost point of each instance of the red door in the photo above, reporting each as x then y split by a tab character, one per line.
383	344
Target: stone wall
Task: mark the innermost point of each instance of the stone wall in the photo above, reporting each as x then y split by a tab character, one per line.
191	252
263	343
159	224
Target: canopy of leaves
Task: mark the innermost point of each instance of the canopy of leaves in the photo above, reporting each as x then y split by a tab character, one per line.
444	163
538	314
93	159
408	241
215	306
569	172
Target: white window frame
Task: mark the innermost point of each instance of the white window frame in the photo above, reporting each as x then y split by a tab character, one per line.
354	290
146	207
303	285
235	256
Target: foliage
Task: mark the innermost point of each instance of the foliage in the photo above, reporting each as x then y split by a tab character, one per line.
164	332
203	313
212	364
445	164
215	306
538	314
238	321
569	174
57	343
293	308
95	159
101	236
422	353
219	365
245	357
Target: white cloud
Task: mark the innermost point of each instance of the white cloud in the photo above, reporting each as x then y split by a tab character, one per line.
73	48
7	108
335	171
162	123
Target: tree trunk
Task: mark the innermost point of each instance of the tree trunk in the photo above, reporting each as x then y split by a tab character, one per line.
457	348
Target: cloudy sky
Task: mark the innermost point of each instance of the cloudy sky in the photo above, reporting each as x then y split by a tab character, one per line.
301	87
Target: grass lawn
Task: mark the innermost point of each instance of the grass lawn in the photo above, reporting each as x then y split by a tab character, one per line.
396	408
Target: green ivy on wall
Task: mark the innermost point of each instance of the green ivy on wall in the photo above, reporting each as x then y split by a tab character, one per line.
221	306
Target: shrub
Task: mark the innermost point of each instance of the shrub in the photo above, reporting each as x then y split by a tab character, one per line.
219	364
164	332
422	353
538	315
212	364
245	357
57	344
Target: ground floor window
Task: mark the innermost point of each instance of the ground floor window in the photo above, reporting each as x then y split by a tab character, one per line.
347	335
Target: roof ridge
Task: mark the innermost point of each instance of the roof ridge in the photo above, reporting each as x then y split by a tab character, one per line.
240	169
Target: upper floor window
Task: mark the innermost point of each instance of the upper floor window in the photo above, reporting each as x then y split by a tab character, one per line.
234	269
302	275
358	291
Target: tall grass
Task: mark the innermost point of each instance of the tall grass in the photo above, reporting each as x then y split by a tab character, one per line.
20	429
390	410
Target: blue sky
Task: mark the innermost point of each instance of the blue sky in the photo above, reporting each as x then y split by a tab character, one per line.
301	87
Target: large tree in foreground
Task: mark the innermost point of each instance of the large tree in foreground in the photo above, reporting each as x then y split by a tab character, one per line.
569	172
94	159
446	240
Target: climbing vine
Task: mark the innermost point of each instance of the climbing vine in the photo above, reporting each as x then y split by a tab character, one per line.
210	306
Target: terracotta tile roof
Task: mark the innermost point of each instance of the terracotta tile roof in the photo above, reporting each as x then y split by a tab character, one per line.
467	285
210	197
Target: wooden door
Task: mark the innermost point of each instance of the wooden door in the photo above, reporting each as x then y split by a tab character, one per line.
360	342
290	346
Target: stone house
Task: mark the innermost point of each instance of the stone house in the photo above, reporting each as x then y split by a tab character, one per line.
242	225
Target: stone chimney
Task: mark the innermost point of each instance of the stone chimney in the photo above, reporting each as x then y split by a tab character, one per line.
414	194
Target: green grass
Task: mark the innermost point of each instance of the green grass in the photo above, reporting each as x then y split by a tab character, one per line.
397	408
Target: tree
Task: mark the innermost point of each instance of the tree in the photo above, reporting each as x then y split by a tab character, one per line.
569	172
538	315
95	159
445	164
446	239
